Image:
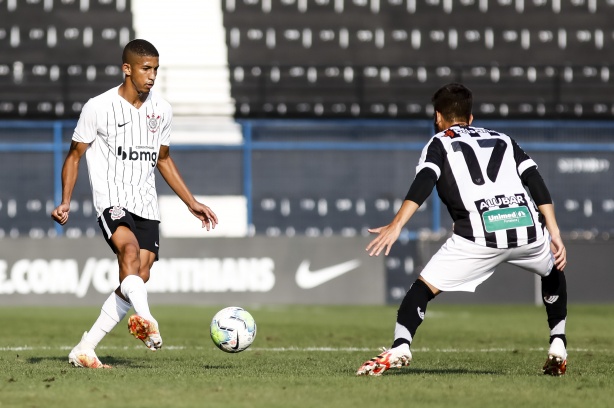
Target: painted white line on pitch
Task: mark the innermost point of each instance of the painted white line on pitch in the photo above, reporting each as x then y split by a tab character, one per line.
310	349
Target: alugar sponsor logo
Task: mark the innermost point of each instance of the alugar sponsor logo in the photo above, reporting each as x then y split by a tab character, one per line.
499	201
140	153
170	275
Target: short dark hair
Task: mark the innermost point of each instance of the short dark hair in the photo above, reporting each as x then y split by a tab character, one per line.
141	48
453	101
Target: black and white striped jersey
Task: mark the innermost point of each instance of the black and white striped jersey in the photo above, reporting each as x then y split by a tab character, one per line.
478	179
123	152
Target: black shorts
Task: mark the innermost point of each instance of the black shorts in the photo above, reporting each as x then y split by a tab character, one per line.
147	232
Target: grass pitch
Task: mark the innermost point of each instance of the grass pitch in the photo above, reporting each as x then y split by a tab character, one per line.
307	356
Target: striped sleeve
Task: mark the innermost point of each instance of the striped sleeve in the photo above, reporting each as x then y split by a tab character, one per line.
523	161
432	157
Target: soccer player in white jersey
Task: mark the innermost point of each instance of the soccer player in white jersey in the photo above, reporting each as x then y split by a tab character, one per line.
125	135
482	176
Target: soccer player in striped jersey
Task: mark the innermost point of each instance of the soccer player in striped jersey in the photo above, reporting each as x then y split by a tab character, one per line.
502	212
125	135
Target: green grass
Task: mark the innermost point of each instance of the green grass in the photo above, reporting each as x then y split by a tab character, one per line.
307	356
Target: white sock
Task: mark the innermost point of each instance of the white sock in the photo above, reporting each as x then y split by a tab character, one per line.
559	328
133	288
114	309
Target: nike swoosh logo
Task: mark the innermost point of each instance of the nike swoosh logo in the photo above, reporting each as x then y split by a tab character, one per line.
307	279
122	124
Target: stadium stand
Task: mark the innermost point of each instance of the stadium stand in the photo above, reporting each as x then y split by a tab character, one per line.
516	54
57	54
322	58
312	59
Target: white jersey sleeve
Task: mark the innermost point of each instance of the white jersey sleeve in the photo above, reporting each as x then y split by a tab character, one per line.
165	134
87	126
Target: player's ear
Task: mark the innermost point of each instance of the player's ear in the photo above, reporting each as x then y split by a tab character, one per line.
438	118
470	119
126	68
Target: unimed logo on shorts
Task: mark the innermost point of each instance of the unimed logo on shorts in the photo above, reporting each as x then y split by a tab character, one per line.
139	153
507	218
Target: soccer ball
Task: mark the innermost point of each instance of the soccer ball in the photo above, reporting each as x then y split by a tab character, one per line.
233	329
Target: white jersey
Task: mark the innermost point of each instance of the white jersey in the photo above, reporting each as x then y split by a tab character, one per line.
478	179
123	153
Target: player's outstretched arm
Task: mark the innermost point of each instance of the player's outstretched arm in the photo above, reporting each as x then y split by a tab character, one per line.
556	243
70	172
388	234
171	175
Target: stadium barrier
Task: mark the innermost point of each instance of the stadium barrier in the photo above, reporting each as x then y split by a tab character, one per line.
256	270
277	179
313	178
272	271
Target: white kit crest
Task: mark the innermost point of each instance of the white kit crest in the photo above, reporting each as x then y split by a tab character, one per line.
153	122
117	213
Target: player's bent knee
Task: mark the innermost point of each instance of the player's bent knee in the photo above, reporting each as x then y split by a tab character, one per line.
129	251
144	274
432	288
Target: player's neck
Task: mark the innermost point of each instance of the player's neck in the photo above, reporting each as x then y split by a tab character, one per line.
129	92
457	123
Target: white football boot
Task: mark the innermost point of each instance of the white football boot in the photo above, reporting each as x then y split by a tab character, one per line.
84	356
392	358
557	358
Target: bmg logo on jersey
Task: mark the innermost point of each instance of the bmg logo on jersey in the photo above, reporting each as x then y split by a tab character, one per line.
138	153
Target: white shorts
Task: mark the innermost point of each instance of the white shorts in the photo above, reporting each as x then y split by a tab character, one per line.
461	265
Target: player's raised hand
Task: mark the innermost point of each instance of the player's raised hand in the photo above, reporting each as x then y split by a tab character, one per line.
60	213
205	214
387	235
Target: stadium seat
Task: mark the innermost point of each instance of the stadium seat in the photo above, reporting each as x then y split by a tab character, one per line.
337	214
113	6
40	40
29	217
324	7
587	90
353	8
69	7
381	37
242	7
391	91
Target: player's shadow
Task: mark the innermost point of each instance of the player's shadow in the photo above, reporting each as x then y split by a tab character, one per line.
112	361
440	371
38	360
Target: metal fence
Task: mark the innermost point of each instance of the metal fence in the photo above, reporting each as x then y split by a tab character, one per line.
314	178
